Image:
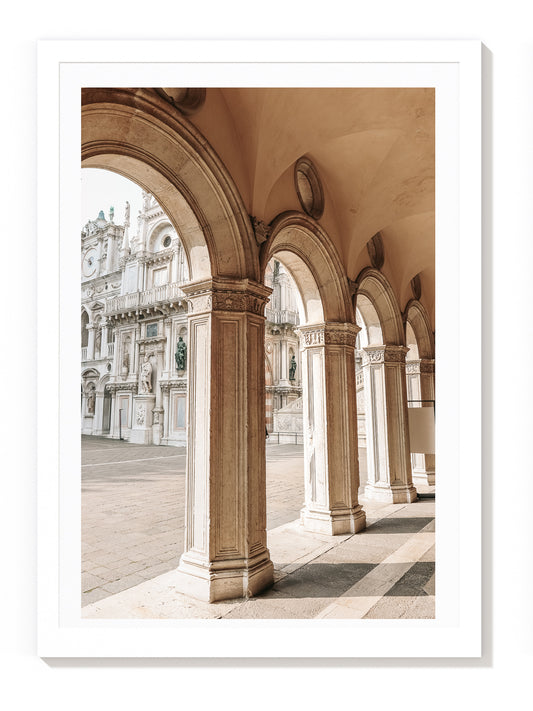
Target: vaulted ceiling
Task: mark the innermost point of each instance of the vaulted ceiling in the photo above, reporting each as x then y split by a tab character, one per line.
374	150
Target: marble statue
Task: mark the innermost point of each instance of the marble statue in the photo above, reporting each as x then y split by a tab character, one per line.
181	354
292	368
91	396
146	376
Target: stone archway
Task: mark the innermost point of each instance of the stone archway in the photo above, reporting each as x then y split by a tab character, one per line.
420	379
327	340
387	433
138	134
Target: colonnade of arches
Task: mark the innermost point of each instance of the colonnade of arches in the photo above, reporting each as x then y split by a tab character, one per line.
137	134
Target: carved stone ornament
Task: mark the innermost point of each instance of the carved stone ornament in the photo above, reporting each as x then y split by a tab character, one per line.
412	367
123	387
376	251
261	230
141	415
309	188
334	334
168	385
384	354
187	101
220	296
416	287
427	365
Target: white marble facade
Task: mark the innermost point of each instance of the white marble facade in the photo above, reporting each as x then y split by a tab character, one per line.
133	316
134	311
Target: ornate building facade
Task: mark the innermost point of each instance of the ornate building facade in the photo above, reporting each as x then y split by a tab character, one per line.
134	334
134	328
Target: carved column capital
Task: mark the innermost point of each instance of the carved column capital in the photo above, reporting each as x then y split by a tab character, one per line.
330	333
237	295
424	365
384	354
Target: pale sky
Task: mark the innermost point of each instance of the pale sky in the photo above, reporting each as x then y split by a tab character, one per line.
101	188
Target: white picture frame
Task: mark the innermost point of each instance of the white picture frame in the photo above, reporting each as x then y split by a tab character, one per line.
454	69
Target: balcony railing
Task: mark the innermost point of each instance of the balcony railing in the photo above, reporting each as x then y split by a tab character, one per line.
142	299
84	353
110	350
282	316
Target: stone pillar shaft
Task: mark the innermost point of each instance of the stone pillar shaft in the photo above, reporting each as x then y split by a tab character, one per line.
104	340
387	432
330	429
421	386
225	534
90	343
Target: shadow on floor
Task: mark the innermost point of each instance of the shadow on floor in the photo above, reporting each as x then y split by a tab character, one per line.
405	524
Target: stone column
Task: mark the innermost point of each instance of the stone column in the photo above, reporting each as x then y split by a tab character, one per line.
165	389
90	344
112	429
169	354
110	253
283	362
387	431
225	533
330	429
103	343
421	386
98	413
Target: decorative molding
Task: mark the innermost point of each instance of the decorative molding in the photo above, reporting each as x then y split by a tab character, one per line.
186	101
416	287
261	230
168	385
329	334
123	387
384	354
309	188
163	257
152	340
228	295
140	415
376	251
157	413
424	365
352	286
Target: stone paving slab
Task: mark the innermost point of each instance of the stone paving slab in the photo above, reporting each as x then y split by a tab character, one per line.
314	590
133	509
132	518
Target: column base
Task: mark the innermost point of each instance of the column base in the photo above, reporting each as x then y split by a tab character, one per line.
225	579
333	523
423	478
391	493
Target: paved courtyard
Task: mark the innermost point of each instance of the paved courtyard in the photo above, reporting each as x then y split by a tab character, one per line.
133	502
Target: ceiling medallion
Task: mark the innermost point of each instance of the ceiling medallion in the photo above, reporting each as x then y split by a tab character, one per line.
376	251
309	188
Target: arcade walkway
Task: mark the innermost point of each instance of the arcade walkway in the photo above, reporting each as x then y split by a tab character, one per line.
132	537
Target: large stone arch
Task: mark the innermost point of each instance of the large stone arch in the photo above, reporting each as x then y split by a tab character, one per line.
416	315
372	285
386	417
327	341
138	134
420	378
308	253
